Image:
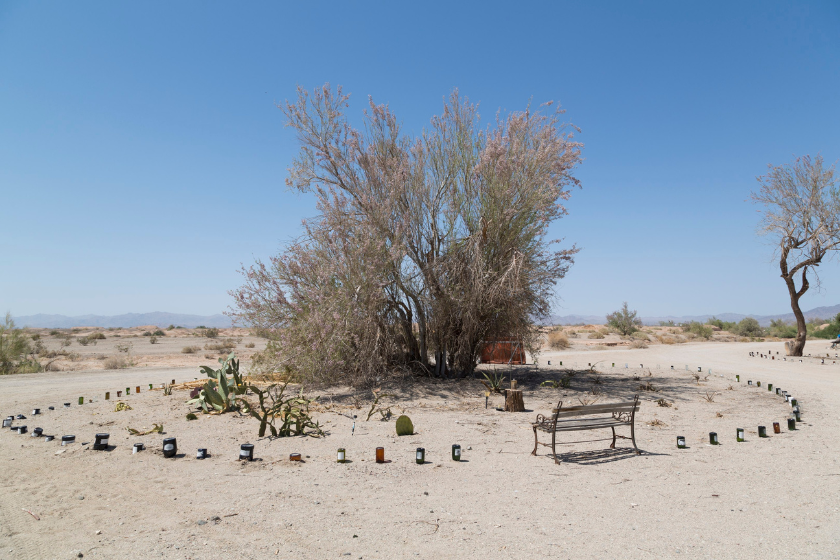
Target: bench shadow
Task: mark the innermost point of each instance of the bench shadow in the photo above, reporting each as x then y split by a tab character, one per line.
596	457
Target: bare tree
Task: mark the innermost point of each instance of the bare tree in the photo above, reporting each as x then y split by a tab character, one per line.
802	214
426	243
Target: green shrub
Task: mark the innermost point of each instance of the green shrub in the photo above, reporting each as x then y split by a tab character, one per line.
147	333
780	329
153	340
596	335
748	327
158	333
831	331
250	345
698	329
639	335
722	325
624	321
96	336
16	350
211	333
54	332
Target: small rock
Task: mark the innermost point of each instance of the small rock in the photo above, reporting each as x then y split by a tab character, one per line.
216	519
469	448
81	498
425	493
99	532
201	522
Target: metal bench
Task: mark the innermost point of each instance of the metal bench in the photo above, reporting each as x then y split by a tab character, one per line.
597	416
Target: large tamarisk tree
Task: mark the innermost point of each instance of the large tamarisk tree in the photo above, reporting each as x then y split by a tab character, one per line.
423	244
802	215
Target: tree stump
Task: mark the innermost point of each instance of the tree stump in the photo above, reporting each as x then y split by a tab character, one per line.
513	401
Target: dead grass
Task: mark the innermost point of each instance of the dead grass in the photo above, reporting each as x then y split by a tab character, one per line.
638	344
190	349
557	340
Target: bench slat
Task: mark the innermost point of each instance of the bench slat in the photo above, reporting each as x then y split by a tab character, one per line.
598	407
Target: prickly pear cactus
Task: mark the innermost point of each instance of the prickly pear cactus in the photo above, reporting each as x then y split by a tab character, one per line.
404	426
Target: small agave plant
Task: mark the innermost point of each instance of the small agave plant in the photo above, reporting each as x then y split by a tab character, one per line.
219	393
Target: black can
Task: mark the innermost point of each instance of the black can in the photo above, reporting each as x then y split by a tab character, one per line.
49	438
21	429
246	452
20	417
36	411
67	405
791	424
51	408
7	421
67	439
170	447
37	432
201	453
137	447
101	442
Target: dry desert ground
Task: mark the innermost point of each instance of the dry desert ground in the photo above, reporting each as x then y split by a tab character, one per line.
775	497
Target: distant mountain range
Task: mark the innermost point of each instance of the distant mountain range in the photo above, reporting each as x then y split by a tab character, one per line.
162	319
763	320
158	318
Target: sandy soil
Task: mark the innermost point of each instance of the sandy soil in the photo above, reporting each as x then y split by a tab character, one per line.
766	498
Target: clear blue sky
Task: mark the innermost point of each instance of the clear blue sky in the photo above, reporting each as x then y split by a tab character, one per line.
142	157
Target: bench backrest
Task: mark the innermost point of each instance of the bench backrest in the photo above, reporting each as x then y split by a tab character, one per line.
593	409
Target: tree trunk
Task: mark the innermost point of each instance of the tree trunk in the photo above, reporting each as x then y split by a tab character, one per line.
514	401
798	345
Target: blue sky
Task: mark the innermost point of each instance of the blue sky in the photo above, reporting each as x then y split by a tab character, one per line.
142	157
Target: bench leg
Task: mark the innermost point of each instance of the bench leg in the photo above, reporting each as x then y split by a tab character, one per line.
633	437
612	445
534	452
554	446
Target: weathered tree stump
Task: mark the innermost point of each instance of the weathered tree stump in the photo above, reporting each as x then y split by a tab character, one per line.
513	401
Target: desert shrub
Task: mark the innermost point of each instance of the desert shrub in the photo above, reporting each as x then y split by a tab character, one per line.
250	345
83	341
190	349
15	345
624	321
698	329
147	333
748	327
639	335
201	327
211	333
638	344
158	333
666	340
153	339
596	335
604	331
36	337
125	347
54	332
557	340
831	331
116	362
170	327
74	356
96	336
224	346
722	325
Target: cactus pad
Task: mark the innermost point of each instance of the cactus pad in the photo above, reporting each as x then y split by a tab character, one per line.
404	426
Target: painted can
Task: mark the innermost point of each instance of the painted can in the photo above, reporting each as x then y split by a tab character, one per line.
796	414
770	387
791	424
7	421
680	442
778	391
713	439
456	452
201	453
49	438
21	430
36	411
739	434
246	452
294	457
137	389
420	456
107	395
66	440
81	400
777	429
137	447
50	408
37	432
762	431
170	447
20	417
101	442
150	386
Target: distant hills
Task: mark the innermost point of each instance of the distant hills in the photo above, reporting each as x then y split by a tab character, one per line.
162	319
764	320
158	318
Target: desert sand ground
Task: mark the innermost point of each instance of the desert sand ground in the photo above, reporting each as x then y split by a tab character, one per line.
766	498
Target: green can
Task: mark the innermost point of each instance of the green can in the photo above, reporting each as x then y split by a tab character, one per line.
128	390
739	434
769	386
81	400
762	431
421	455
791	424
456	452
